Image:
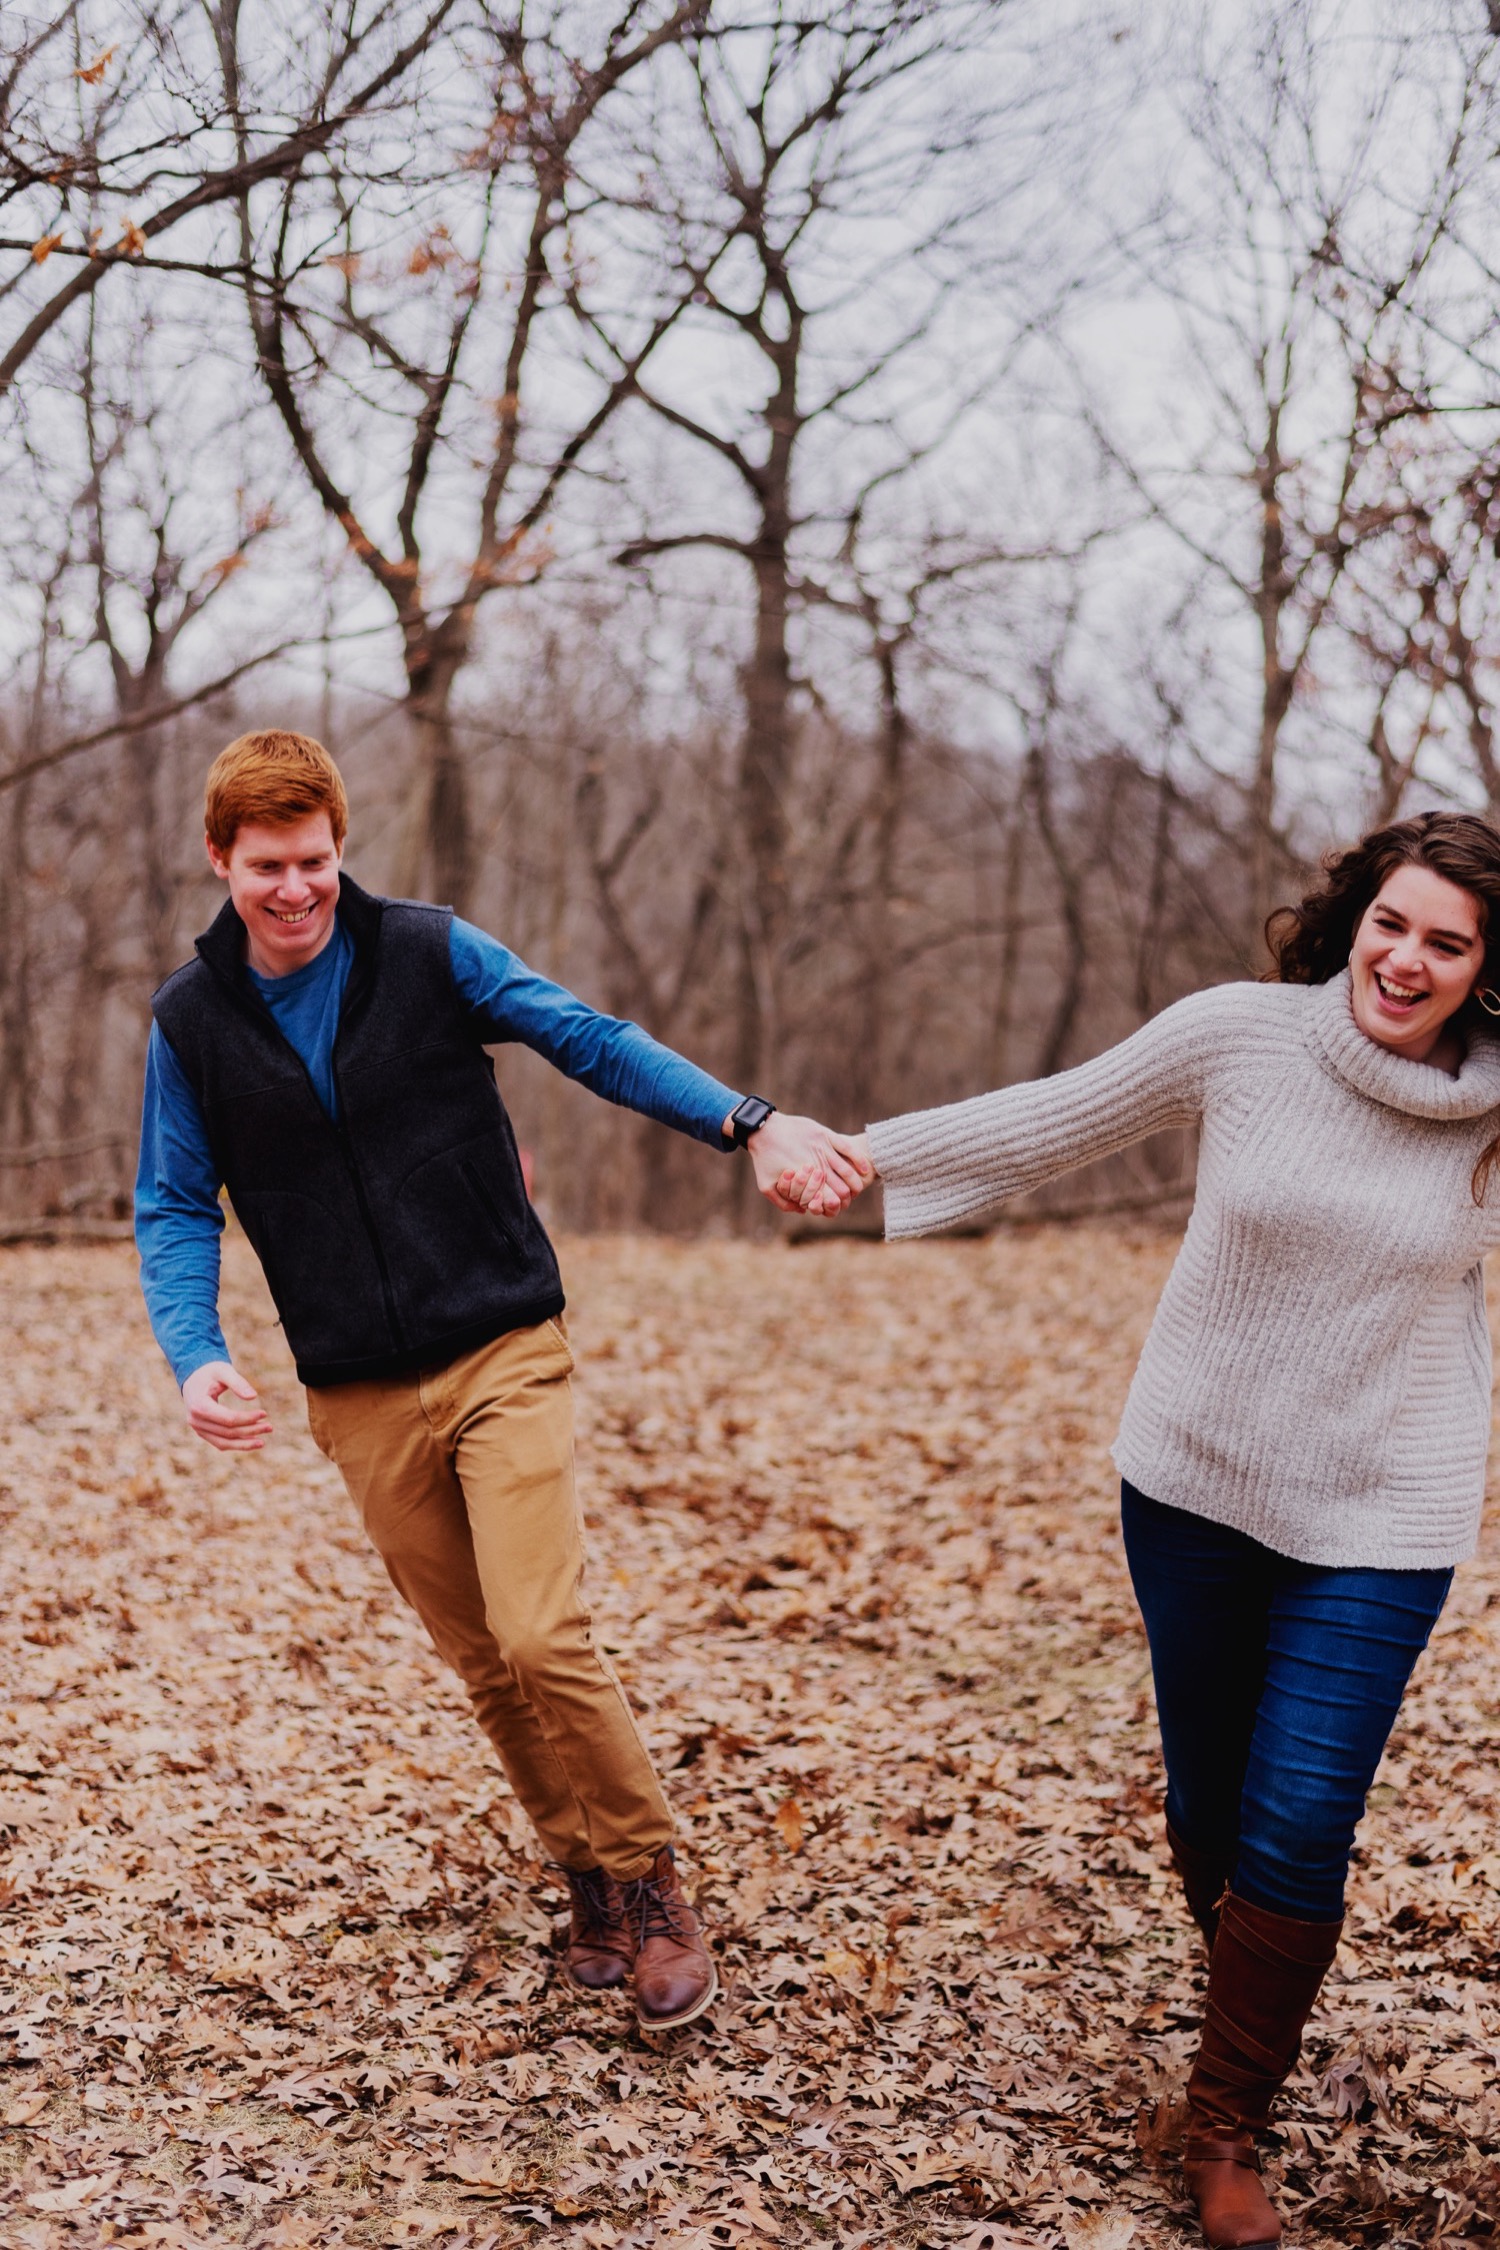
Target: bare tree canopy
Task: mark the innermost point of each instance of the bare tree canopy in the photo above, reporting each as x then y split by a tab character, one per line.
874	538
133	154
425	305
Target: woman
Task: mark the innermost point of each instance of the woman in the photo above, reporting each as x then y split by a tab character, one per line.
1303	1446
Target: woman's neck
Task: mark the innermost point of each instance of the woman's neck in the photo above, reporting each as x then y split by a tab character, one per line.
1447	1052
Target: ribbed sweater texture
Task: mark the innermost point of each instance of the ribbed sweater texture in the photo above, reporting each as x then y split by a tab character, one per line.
1318	1370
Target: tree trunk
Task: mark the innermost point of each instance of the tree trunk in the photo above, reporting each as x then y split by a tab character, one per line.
997	1062
550	1160
875	982
104	911
136	692
436	855
1272	594
450	834
158	888
764	778
17	1075
1152	941
1075	931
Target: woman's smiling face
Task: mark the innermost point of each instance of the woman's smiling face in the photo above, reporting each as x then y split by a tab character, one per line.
1418	954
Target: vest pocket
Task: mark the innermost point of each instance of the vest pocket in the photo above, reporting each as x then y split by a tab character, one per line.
476	1180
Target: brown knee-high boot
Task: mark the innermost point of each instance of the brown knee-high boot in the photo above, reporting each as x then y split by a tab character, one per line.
1262	1983
1204	1882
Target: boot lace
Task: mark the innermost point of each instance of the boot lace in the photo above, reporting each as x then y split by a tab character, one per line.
590	1887
655	1912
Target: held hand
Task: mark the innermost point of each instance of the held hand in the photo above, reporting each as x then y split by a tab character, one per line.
210	1396
807	1189
828	1168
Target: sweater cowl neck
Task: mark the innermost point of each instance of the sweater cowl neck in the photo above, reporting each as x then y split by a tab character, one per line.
1420	1089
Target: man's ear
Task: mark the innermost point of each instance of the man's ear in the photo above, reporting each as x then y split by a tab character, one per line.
216	859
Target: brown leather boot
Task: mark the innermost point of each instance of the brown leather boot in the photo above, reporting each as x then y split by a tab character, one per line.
675	1977
599	1949
1204	1882
1263	1980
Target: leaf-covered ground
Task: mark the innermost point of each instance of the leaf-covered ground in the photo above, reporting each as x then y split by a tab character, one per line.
278	1957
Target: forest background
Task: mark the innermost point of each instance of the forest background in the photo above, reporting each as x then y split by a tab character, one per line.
876	538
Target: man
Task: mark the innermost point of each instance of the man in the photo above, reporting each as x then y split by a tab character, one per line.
323	1058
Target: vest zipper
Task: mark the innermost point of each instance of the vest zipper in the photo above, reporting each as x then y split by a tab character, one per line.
252	1000
346	1145
351	1166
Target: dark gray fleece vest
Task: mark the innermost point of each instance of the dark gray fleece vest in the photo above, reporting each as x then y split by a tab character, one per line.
402	1235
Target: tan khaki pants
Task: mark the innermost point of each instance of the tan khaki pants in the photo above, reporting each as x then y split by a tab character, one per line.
464	1477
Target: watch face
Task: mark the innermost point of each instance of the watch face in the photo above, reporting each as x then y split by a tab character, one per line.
752	1114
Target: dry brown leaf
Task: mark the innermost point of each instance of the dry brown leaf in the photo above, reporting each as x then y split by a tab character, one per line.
924	2169
789	1824
76	2195
1100	2230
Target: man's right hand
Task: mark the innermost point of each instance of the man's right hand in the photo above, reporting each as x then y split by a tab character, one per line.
225	1409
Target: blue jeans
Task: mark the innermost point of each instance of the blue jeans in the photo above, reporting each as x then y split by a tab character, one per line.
1277	1683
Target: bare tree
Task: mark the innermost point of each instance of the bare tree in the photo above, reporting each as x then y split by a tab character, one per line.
811	125
1309	260
404	333
155	574
1426	623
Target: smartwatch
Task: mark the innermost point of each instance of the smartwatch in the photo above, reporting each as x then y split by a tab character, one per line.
749	1118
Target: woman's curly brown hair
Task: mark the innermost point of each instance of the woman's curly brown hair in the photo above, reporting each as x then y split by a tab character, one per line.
1312	941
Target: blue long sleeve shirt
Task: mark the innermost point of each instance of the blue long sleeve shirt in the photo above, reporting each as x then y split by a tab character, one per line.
178	1214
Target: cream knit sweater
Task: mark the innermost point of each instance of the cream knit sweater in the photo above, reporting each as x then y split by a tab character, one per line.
1318	1370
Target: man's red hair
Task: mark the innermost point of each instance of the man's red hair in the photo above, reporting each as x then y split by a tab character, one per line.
271	778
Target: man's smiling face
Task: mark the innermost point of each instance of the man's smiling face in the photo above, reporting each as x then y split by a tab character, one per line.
284	882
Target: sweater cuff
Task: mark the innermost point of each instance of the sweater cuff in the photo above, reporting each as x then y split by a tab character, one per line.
935	1146
893	1143
929	1172
204	1354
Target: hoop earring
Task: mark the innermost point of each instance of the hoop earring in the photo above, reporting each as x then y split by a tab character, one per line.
1488	999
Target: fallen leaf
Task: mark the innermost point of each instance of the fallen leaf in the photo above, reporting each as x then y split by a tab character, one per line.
87	2188
1113	2229
924	2170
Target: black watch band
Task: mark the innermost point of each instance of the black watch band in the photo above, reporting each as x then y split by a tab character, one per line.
749	1118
